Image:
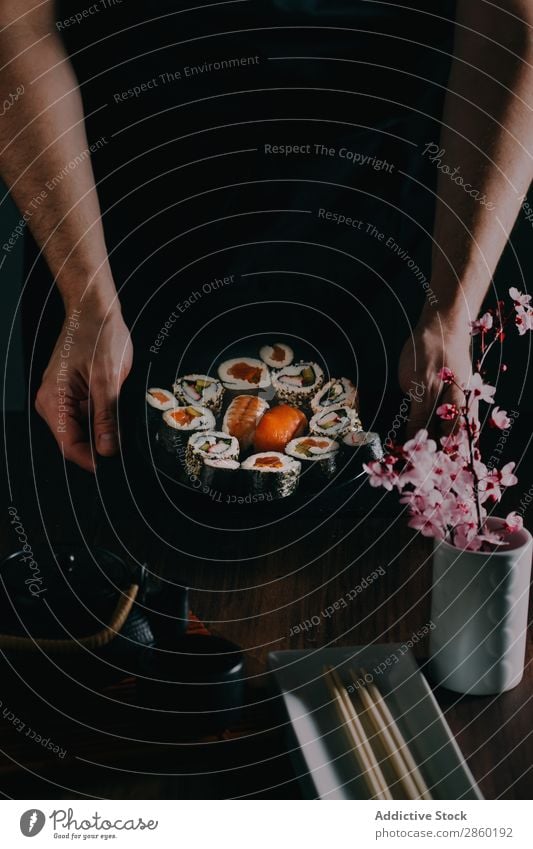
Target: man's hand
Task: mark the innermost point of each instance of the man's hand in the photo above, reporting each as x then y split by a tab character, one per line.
82	383
432	346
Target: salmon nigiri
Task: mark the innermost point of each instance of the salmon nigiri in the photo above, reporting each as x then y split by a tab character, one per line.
242	417
278	427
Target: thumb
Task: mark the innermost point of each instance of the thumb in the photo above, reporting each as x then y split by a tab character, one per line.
105	421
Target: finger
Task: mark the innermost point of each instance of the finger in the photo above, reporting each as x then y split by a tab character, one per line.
104	401
63	417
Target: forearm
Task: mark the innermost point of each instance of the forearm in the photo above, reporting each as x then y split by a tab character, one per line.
487	133
44	157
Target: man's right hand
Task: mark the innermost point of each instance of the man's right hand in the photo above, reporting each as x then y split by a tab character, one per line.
82	383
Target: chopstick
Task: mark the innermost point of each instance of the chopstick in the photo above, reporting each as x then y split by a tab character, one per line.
357	738
391	738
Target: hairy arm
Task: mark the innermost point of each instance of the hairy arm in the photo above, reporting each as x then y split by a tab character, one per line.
40	135
487	133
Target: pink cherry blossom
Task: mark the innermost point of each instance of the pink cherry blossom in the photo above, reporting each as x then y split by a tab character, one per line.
420	445
447	488
507	478
426	526
513	522
499	419
482	325
380	474
446	375
448	412
465	536
481	391
524	319
518	297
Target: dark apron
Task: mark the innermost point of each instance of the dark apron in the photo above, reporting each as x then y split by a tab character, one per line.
205	210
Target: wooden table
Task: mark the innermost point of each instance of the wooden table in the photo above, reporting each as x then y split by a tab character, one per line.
276	578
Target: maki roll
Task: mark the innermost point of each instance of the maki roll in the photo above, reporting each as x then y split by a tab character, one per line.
334	422
220	474
273	472
318	456
362	446
298	384
180	422
158	401
278	426
244	374
200	389
277	355
242	417
335	392
210	445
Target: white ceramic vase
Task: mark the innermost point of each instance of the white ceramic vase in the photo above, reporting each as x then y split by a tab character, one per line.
479	614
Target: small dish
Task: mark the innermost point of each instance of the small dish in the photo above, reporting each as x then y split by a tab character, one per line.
324	761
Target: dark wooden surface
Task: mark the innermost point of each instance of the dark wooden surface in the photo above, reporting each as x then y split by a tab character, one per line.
256	588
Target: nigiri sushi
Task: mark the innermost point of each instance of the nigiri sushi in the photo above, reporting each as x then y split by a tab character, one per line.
242	417
278	426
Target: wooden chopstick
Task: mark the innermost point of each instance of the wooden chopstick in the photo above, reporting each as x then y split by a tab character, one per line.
392	739
357	738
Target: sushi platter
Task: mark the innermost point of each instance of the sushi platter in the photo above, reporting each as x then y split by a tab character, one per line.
261	429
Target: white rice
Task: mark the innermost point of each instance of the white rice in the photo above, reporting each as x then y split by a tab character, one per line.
268	355
334	422
237	384
335	392
160	405
204	420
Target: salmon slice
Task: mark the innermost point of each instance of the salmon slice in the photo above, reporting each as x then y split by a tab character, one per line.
242	418
159	396
278	427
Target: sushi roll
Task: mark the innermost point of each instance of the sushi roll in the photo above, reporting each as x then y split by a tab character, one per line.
200	389
209	445
180	422
242	417
220	475
278	426
277	355
244	374
273	472
158	401
362	446
298	384
334	422
318	456
339	391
